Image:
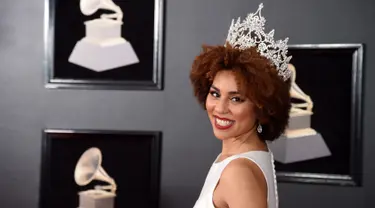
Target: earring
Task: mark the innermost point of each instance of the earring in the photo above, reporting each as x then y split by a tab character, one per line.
259	128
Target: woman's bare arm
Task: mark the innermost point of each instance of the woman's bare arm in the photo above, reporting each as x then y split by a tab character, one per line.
243	185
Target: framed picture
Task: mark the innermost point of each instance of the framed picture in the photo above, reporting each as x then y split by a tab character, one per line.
130	158
325	144
104	44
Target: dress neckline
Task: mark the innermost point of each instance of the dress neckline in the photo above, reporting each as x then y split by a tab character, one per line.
216	162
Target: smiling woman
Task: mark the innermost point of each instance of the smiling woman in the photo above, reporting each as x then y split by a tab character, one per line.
244	87
240	78
224	97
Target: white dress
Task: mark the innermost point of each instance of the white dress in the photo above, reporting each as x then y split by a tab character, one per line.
265	162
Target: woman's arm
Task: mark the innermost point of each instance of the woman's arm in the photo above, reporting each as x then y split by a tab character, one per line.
243	185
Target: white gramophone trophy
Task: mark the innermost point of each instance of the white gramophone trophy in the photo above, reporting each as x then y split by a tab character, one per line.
89	168
299	142
102	48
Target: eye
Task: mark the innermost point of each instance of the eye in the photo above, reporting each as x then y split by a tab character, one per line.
215	94
237	99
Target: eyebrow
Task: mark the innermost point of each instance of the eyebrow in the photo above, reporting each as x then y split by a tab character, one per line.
231	92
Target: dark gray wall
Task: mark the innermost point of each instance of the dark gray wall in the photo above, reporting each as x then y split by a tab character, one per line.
189	147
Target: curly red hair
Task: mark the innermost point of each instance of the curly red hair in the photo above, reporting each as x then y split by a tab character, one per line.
256	77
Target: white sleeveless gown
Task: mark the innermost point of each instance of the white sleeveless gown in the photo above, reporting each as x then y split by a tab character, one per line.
265	162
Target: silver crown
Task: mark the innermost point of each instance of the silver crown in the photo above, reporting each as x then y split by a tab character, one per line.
250	32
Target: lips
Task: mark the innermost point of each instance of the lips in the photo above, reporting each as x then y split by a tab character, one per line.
223	123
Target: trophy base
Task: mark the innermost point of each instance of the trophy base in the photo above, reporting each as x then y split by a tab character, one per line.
103	55
290	149
96	199
299	119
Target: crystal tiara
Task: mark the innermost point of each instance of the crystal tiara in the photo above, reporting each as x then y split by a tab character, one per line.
250	32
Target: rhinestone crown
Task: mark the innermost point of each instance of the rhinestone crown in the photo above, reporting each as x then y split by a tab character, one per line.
250	32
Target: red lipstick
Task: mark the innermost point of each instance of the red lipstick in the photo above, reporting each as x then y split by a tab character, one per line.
223	126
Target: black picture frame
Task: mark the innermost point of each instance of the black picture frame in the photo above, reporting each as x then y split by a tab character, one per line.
131	158
143	27
338	99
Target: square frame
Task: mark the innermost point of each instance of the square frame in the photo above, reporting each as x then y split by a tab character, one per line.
353	177
155	69
55	193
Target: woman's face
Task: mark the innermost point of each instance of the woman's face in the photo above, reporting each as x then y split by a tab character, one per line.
230	112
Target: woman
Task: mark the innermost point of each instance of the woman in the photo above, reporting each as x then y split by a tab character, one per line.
245	90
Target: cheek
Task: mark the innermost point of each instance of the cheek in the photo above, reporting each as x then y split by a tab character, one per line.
245	115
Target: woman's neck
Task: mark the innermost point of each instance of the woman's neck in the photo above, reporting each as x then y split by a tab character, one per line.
249	141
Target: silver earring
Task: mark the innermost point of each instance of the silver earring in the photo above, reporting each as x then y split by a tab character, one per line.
259	128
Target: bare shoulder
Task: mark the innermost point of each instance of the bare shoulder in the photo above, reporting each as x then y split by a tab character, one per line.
242	168
244	184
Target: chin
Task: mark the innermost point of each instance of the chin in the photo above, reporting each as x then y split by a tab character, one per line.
224	134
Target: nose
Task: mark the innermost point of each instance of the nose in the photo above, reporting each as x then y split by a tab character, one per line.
221	106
